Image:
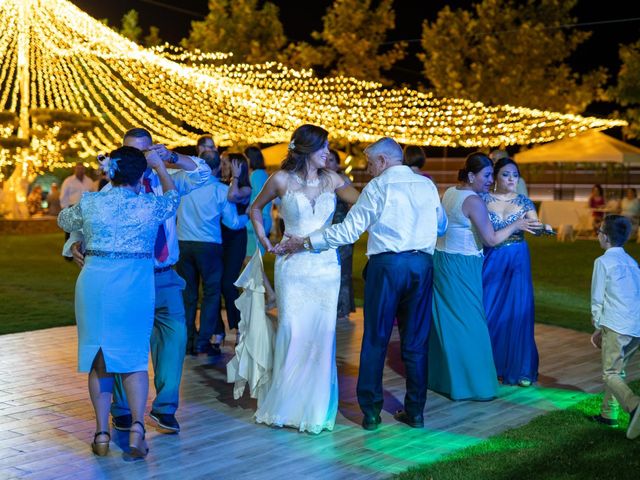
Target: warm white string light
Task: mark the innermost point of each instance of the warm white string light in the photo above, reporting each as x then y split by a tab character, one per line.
76	63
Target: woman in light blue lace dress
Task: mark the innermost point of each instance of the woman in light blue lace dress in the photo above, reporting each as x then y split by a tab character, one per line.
114	300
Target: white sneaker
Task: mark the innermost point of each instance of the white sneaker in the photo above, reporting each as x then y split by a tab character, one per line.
633	431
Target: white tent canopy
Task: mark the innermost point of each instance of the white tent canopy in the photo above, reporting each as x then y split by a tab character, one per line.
588	147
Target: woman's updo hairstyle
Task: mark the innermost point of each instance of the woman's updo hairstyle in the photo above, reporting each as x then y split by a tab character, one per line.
306	139
503	162
474	163
129	166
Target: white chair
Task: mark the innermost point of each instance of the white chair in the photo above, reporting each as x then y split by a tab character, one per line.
566	233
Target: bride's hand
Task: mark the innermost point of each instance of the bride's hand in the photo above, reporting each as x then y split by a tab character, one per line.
289	244
266	243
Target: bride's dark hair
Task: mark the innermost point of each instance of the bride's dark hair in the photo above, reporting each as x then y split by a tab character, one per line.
306	139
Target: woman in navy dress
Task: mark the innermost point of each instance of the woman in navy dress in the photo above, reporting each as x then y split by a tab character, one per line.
507	284
115	294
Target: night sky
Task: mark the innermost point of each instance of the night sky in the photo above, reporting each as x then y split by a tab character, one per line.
300	18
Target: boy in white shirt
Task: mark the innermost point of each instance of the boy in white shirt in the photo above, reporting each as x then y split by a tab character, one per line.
615	308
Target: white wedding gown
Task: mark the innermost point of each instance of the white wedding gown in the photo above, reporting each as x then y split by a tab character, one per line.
304	389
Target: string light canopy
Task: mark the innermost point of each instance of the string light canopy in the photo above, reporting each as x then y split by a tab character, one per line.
55	56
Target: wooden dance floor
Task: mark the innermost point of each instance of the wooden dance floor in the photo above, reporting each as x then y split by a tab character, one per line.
46	420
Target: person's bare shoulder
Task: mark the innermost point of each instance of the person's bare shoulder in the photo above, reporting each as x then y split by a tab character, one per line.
278	182
336	180
279	178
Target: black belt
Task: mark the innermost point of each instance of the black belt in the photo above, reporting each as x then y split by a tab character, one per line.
162	269
405	252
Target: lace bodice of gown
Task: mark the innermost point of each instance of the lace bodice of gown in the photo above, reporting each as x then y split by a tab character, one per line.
517	209
119	220
307	206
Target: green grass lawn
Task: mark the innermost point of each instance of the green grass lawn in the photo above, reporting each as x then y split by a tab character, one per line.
36	284
562	280
559	445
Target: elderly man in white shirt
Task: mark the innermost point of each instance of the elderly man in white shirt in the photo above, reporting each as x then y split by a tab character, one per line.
615	309
402	213
74	186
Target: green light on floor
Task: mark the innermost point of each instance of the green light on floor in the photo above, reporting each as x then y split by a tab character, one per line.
542	398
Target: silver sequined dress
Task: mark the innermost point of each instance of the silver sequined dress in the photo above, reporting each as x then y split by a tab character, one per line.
115	293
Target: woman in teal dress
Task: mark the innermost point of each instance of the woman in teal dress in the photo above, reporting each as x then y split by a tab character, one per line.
460	358
258	178
114	300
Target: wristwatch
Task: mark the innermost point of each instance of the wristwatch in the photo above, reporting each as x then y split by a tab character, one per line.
173	158
306	243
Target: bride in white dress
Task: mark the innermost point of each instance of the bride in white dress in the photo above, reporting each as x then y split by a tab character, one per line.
304	388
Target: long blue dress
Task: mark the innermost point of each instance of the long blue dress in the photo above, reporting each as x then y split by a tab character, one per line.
508	299
460	360
115	292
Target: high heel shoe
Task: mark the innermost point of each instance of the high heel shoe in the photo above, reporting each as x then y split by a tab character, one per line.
137	444
100	448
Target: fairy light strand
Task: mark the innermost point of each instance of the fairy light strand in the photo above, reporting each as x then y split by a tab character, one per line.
81	65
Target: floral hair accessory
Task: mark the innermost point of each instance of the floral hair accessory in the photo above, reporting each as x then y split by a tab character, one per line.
292	145
108	165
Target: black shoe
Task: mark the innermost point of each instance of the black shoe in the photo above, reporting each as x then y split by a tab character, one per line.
122	422
415	422
191	351
371	423
167	422
604	421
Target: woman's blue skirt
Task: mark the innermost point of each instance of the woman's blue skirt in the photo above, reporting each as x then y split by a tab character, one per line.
509	307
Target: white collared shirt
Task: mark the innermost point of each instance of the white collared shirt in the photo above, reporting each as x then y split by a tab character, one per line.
72	189
201	211
400	210
615	292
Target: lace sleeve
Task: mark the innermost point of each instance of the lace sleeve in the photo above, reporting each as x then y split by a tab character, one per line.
165	206
526	203
70	218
